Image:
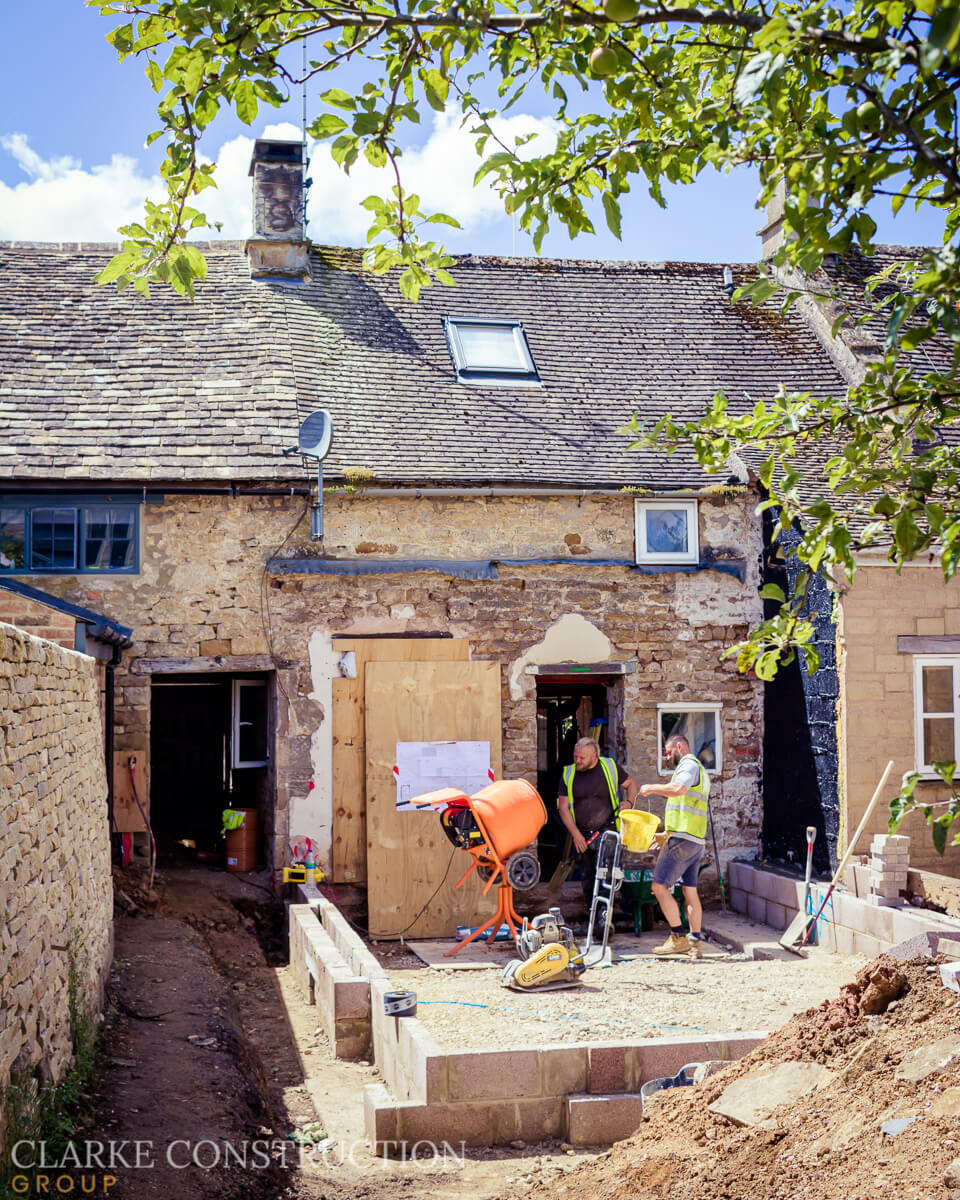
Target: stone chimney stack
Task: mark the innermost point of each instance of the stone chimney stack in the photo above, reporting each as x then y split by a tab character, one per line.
772	235
278	248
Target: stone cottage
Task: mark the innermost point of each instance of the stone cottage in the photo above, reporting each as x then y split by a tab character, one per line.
496	566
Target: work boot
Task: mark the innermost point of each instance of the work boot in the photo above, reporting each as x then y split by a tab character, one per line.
673	945
696	947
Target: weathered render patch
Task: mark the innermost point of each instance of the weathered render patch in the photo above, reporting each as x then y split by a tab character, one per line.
571	639
312	813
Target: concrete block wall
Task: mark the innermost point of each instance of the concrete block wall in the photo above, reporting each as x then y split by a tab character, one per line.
588	1093
325	979
851	923
55	881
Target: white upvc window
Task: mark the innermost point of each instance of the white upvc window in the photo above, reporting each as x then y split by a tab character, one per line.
936	709
249	746
667	531
700	725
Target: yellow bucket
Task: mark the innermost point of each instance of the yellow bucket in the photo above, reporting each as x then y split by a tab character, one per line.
637	829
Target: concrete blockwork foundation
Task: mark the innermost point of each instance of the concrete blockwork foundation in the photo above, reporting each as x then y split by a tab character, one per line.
587	1093
850	924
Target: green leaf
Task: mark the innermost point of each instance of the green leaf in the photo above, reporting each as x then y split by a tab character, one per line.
154	74
327	125
117	266
939	830
195	260
612	211
770	591
410	285
339	99
245	101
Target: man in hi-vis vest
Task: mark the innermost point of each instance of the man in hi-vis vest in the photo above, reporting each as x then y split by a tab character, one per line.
589	802
681	845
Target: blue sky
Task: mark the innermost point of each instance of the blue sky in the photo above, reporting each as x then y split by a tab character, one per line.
73	164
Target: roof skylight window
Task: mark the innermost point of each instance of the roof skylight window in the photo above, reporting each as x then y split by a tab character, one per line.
490	351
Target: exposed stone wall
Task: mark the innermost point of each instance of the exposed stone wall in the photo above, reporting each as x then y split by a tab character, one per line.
202	597
877	703
55	883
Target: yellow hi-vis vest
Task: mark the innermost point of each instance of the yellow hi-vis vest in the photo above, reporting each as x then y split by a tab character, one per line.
609	768
688	813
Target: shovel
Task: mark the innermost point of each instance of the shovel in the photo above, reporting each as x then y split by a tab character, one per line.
800	928
811	838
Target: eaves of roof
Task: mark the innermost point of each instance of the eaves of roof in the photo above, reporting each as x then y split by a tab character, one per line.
99	627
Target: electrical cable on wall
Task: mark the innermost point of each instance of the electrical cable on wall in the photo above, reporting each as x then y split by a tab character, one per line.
331	893
265	594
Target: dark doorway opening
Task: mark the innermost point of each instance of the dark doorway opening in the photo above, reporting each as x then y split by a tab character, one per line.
210	749
567	709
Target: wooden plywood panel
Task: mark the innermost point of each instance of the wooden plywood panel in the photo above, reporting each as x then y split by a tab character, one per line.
349	754
126	815
407	852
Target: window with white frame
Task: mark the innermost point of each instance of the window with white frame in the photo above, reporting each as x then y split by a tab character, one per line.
249	745
667	531
936	687
700	725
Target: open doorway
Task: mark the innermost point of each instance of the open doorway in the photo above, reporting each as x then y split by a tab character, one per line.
568	708
210	748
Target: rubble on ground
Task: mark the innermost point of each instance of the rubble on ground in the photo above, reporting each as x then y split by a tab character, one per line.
868	1086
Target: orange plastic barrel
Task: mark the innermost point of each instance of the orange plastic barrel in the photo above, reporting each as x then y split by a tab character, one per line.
242	843
511	812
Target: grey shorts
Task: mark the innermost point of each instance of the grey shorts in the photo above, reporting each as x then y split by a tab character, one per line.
679	862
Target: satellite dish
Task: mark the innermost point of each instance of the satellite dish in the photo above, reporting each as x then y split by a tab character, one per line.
316	434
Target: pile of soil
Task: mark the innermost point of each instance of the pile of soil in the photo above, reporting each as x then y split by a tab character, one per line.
826	1144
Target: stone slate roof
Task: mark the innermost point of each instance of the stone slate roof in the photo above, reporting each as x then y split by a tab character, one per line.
104	387
849	276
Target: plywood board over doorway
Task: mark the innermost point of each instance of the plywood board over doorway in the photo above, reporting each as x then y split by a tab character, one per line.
407	852
129	786
349	747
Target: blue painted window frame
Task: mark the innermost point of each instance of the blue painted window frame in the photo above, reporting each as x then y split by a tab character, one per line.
80	508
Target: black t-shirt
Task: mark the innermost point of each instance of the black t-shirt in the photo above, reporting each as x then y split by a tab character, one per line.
591	797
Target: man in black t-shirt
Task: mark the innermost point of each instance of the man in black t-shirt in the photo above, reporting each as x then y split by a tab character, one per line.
589	802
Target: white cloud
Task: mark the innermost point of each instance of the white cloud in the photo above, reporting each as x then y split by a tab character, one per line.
62	201
440	172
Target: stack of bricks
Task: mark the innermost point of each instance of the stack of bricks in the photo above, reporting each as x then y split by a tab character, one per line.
889	861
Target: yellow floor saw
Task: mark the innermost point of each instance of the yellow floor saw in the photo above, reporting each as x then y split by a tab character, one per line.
549	955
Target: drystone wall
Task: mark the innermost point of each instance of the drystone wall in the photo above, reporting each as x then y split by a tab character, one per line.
56	895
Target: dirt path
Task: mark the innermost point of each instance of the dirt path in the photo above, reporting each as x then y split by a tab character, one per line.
213	1061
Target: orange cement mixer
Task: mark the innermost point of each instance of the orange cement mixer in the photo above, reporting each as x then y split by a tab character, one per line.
498	827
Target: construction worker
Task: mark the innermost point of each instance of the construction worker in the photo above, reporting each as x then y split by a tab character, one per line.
681	845
589	802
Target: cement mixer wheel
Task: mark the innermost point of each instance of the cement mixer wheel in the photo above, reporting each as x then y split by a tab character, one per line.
523	870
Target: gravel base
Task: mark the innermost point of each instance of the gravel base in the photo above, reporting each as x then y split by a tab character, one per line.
637	998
